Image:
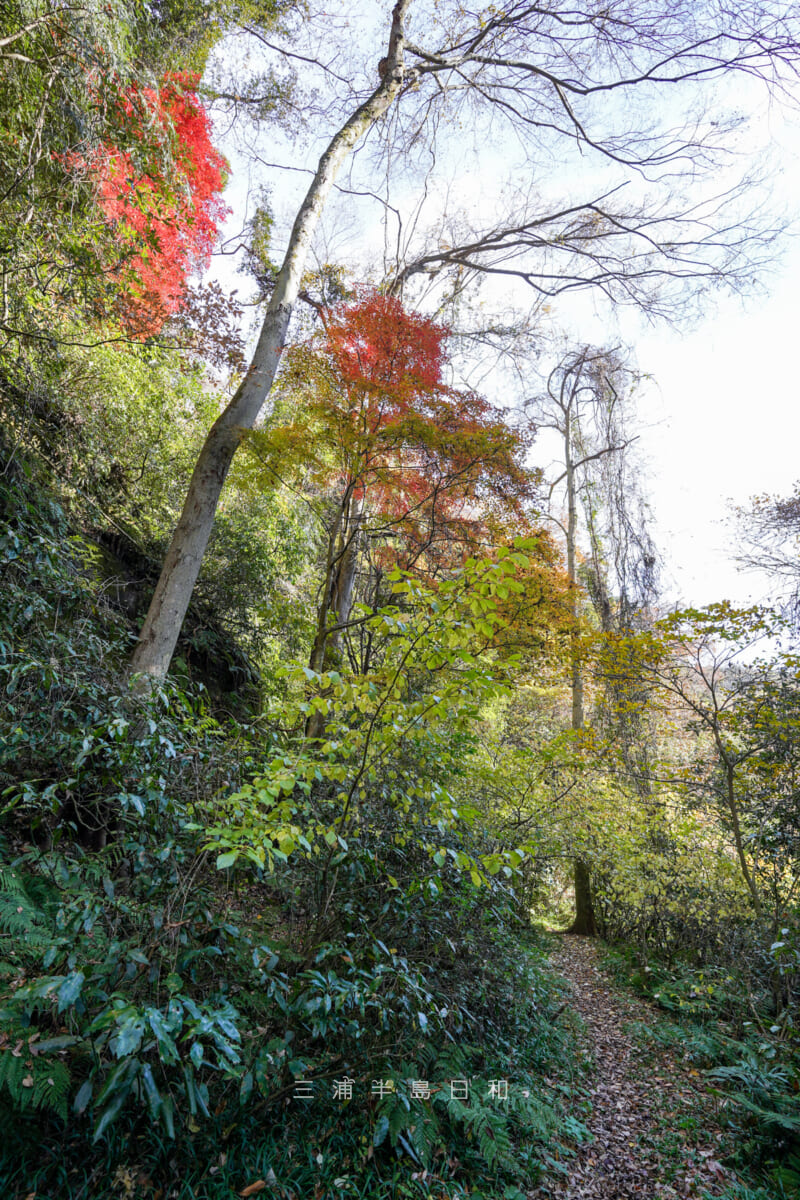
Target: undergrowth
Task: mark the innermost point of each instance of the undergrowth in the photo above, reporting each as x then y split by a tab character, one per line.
159	1015
749	1060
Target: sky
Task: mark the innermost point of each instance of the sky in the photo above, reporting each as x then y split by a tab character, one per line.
719	410
725	426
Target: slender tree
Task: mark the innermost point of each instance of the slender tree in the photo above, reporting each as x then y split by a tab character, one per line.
726	673
580	405
182	564
621	573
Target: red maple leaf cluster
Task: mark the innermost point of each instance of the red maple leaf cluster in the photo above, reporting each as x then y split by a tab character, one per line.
428	464
376	345
161	196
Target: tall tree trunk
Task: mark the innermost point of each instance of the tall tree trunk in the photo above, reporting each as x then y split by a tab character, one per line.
332	560
340	575
576	672
162	625
345	582
584	924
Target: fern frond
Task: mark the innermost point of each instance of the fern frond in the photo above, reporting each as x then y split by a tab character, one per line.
34	1082
490	1126
425	1137
21	915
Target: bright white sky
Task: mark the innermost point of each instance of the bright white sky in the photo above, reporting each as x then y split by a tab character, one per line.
728	414
721	414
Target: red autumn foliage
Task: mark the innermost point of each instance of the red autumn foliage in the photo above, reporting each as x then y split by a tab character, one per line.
378	346
433	469
161	196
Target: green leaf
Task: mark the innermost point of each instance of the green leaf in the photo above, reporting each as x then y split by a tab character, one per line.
152	1093
128	1036
70	989
83	1097
116	1090
167	1049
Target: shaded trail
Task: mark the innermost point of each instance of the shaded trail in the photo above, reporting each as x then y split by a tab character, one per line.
639	1150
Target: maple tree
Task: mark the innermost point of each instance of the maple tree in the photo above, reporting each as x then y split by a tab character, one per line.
161	197
410	470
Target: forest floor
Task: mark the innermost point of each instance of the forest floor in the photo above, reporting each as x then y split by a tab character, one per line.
653	1125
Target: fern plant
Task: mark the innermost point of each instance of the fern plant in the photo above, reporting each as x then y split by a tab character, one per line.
32	1081
763	1089
25	928
29	1073
487	1123
502	1137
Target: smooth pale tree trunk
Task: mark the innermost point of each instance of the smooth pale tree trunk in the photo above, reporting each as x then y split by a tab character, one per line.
572	572
164	620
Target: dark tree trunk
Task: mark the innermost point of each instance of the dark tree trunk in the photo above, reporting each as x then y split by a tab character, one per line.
584	924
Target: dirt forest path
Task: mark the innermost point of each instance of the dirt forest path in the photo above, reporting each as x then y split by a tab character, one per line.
653	1134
